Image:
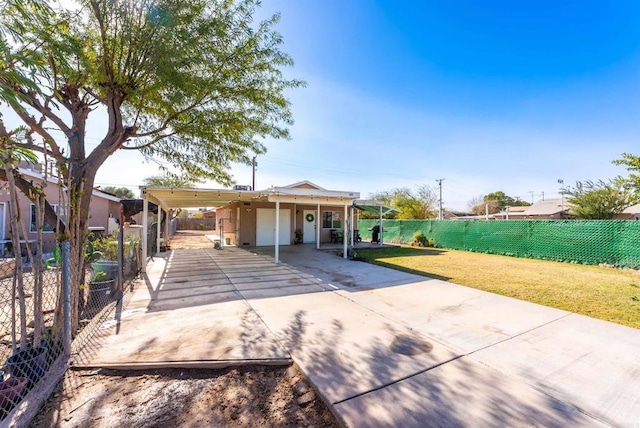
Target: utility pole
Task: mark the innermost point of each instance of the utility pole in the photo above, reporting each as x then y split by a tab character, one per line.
543	195
561	182
253	180
532	192
440	180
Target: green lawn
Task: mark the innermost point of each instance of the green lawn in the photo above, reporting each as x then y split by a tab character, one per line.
599	292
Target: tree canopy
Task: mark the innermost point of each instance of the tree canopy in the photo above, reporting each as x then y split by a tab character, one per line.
599	200
417	203
120	192
196	83
169	180
632	163
496	201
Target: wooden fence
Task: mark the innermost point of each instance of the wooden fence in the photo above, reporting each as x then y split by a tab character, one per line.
196	224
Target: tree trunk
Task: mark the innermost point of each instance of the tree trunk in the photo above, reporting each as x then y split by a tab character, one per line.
14	216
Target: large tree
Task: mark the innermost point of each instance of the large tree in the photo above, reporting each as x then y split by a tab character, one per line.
599	200
196	83
417	203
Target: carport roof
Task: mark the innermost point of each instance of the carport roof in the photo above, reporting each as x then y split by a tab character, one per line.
172	198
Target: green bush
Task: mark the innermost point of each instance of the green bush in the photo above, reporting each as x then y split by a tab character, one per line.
419	238
107	247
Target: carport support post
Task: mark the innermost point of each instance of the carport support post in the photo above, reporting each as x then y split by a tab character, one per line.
277	240
380	237
345	241
318	219
351	228
145	227
159	231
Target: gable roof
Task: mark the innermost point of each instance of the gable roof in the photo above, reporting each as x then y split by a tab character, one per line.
304	185
34	173
548	207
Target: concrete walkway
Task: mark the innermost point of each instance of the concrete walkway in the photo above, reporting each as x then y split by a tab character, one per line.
383	348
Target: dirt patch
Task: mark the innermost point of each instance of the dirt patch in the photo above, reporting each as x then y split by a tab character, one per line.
240	397
191	239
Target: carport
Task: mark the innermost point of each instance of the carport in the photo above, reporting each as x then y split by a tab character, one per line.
303	193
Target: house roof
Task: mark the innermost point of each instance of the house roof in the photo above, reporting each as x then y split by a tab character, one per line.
548	207
305	185
33	173
633	209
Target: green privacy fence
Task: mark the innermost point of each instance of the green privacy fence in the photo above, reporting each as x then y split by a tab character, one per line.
615	242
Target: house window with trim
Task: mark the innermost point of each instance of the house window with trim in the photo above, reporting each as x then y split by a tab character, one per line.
331	220
47	228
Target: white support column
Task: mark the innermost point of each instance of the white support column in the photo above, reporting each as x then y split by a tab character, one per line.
380	237
277	253
159	229
145	227
295	218
318	225
345	230
351	226
166	228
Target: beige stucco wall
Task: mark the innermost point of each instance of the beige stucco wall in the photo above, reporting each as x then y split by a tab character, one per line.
246	235
101	209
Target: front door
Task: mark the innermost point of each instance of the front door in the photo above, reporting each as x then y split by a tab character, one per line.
309	229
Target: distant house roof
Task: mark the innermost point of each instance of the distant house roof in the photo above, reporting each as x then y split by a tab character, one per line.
547	207
633	209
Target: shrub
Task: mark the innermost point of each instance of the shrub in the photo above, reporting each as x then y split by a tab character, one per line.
419	238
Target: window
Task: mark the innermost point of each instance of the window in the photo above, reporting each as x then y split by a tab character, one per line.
331	220
47	227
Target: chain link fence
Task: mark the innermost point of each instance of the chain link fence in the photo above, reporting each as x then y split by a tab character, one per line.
614	242
33	318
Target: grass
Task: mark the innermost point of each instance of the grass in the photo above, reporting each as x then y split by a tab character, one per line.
599	292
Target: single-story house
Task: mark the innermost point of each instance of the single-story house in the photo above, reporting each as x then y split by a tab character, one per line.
105	209
302	212
547	209
630	213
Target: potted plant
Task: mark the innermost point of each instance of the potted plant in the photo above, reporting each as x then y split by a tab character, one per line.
100	291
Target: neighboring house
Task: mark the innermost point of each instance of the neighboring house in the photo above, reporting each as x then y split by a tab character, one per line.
209	214
548	209
105	208
514	213
630	213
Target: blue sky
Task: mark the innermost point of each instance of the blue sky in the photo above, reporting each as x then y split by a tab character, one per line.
489	95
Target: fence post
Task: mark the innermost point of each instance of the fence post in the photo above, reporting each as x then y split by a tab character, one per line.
66	296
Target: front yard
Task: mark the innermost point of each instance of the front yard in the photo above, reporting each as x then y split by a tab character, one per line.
599	292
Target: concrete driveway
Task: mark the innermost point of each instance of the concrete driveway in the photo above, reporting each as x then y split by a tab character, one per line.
389	348
382	347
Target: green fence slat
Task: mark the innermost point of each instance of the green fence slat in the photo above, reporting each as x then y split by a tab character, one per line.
614	242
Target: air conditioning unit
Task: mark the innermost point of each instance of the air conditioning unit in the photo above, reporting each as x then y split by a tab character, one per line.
239	187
